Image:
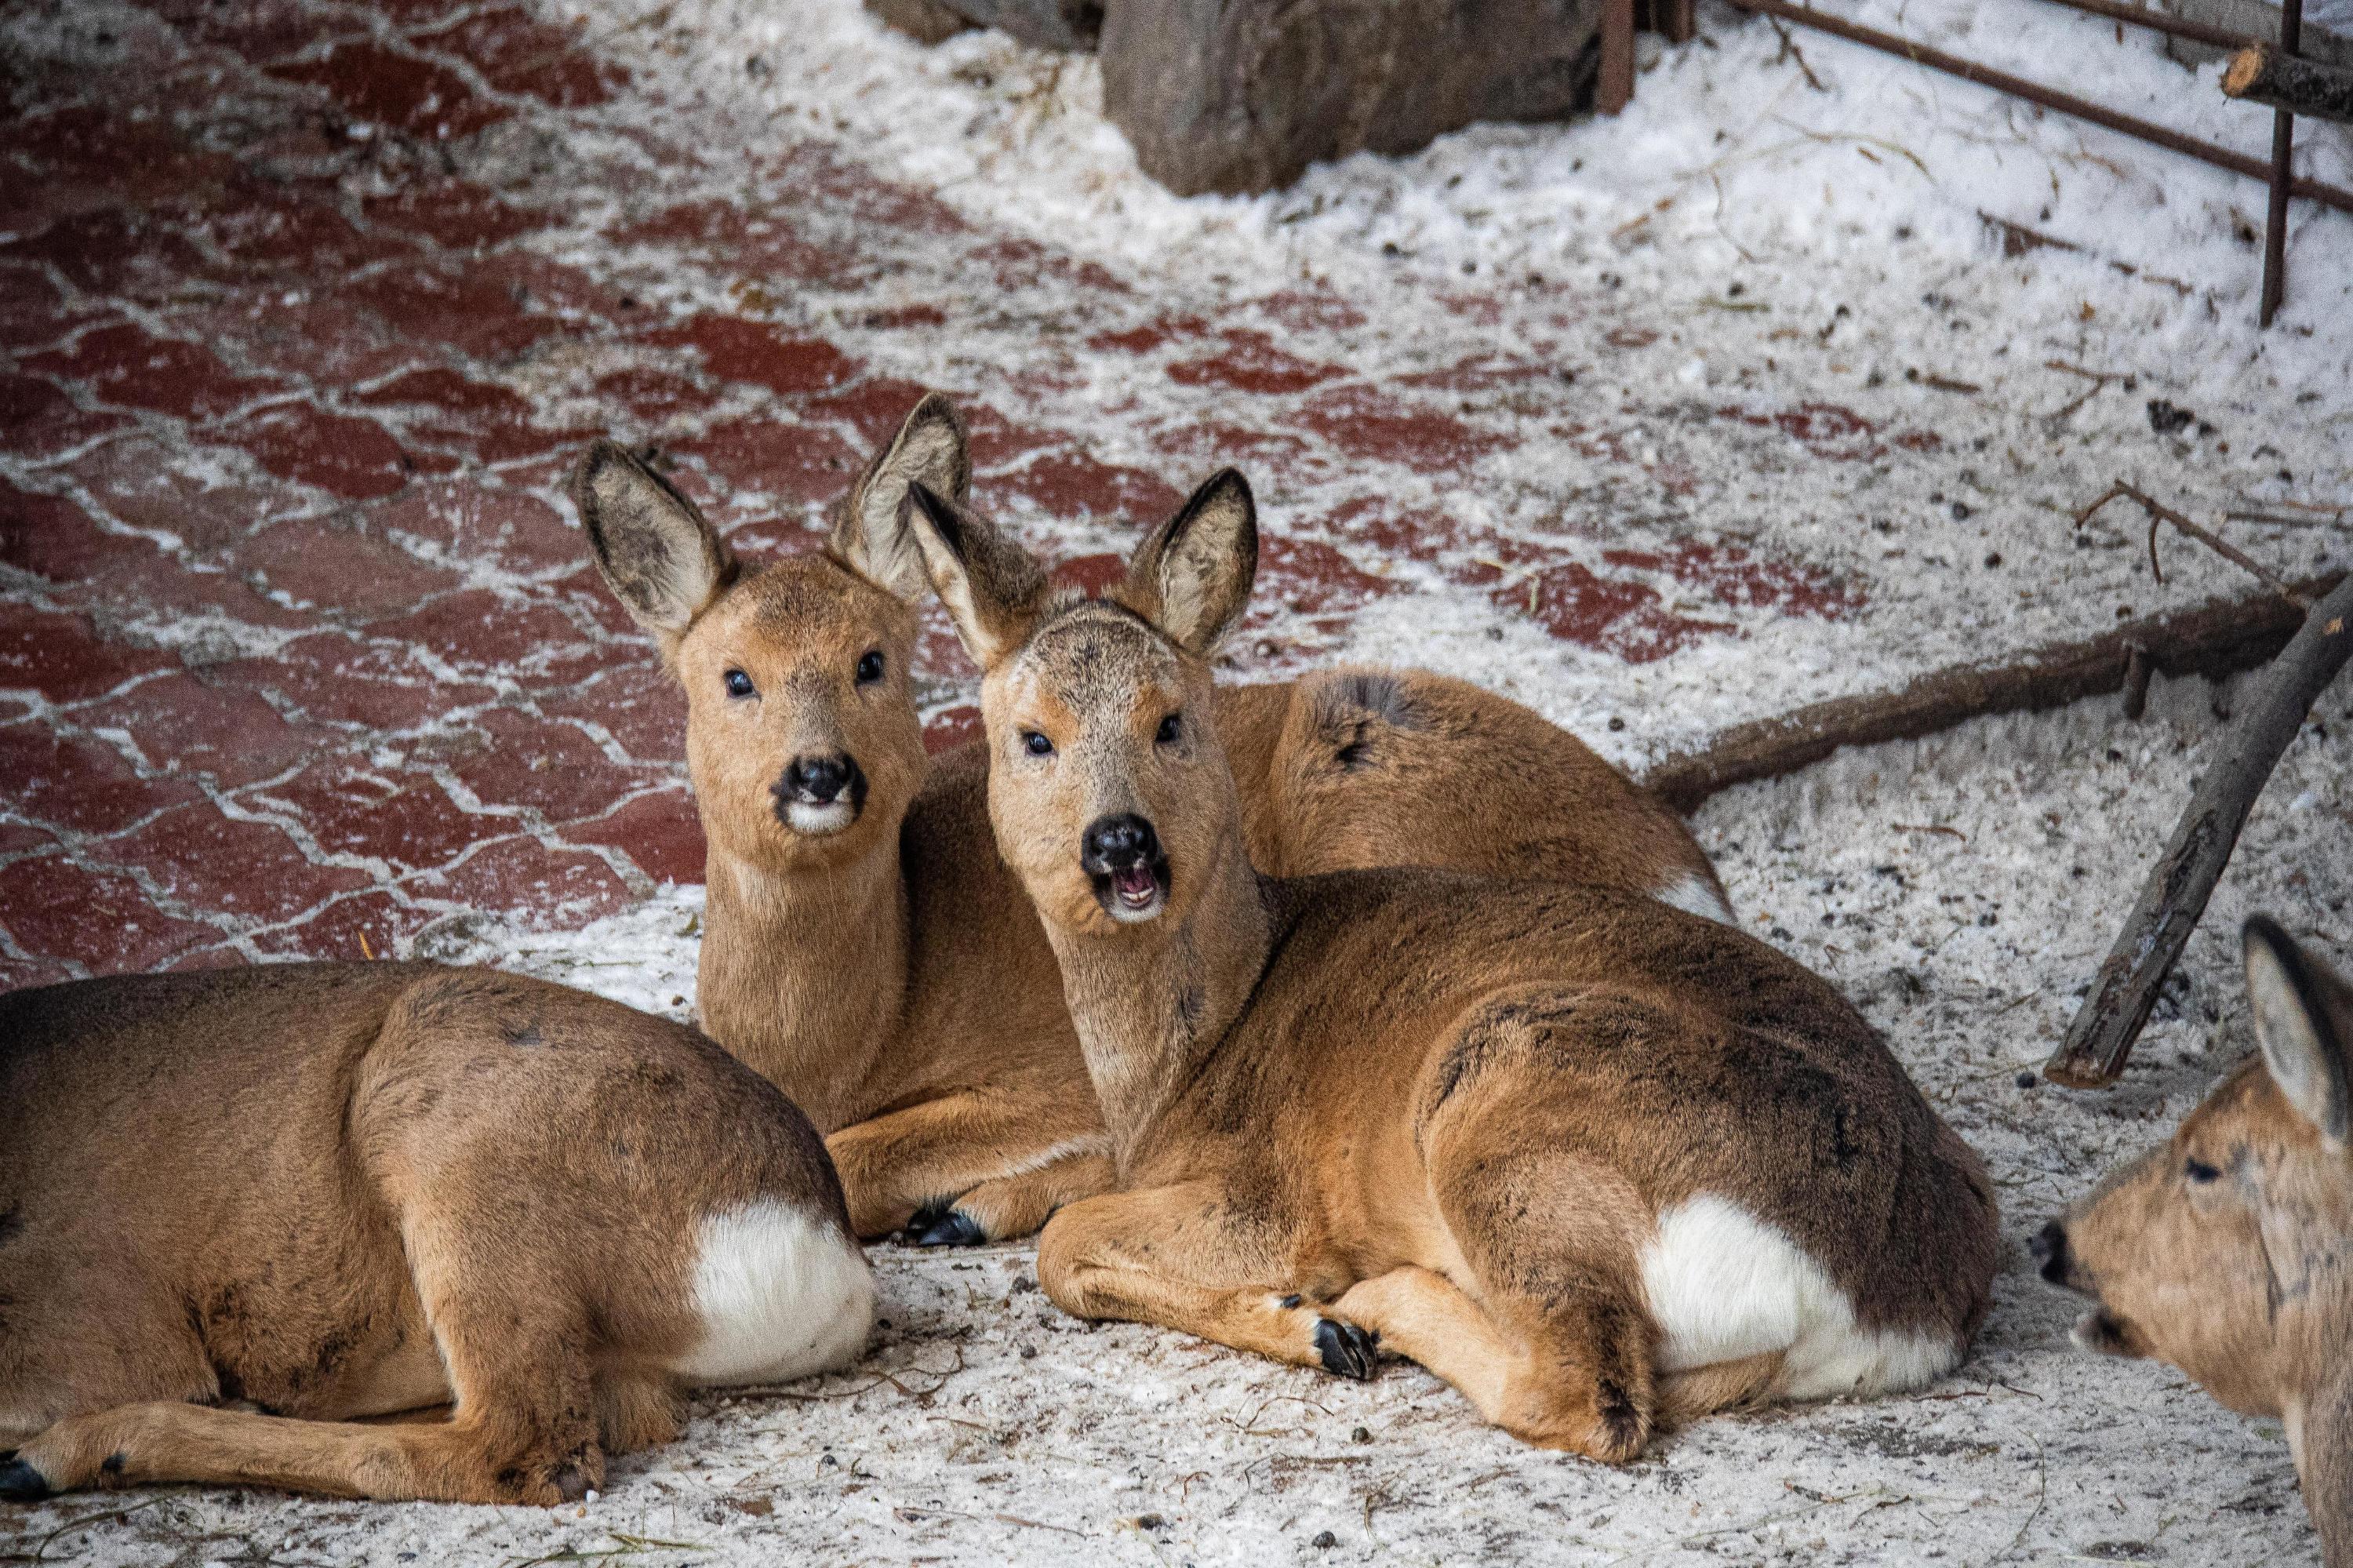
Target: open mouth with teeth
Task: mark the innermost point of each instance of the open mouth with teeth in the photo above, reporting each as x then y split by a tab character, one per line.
1133	893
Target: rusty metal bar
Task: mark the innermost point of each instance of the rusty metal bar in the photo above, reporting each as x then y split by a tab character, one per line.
2160	21
2282	177
1613	87
2034	92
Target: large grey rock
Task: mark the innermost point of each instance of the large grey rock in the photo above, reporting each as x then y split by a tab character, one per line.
1041	24
1242	95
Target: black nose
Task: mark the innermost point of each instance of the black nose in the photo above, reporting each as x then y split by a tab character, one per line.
817	779
2050	1249
1118	844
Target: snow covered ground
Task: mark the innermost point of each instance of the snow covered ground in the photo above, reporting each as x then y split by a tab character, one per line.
1960	888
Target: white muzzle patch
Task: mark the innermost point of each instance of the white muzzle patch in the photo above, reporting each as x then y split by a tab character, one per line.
816	821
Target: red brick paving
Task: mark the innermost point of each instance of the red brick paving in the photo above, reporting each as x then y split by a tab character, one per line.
298	652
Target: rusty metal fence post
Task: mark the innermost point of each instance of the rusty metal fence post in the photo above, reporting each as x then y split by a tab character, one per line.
2291	34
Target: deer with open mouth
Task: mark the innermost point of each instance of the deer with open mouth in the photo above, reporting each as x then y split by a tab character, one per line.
863	945
1602	1164
2227	1250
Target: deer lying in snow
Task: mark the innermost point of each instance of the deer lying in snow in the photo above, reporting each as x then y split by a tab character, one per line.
2228	1249
1599	1164
243	1210
864	947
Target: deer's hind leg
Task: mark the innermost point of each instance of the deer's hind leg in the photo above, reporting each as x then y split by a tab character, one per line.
525	1426
1546	1332
149	1445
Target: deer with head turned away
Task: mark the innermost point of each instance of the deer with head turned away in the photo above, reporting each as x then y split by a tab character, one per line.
1601	1164
2227	1250
245	1211
865	949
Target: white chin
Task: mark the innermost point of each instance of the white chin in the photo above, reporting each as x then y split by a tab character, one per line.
819	820
1128	914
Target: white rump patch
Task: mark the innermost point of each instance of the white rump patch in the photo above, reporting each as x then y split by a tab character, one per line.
1689	892
1723	1284
781	1293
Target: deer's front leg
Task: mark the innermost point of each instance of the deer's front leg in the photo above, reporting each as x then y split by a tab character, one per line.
2320	1432
1165	1256
976	1167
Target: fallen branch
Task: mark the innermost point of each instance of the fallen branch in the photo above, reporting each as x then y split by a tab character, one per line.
1789	51
2016	240
1941	383
2219	637
2102	1035
2159	513
2260	74
2283	520
2098	378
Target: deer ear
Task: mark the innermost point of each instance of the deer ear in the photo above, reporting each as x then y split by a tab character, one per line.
929	449
2299	1024
993	588
1191	576
658	554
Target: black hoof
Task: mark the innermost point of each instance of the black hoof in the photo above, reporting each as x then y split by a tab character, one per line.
19	1482
1346	1349
570	1481
953	1228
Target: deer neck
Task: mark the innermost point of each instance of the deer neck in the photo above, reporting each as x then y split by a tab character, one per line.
1150	1003
803	974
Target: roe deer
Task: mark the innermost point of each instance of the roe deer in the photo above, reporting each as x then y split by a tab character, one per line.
2228	1249
863	945
241	1211
1599	1164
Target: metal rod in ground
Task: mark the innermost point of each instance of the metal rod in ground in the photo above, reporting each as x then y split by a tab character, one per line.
2034	92
2175	895
2158	21
2282	151
1613	86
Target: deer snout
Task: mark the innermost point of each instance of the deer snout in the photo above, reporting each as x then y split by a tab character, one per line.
1118	844
817	779
1123	855
821	793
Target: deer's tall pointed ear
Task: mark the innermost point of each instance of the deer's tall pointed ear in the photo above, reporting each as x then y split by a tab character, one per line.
1191	576
2300	1023
930	450
993	588
658	554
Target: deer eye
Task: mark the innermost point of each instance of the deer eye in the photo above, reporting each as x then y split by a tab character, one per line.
2200	1173
1036	745
739	684
870	667
1170	729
